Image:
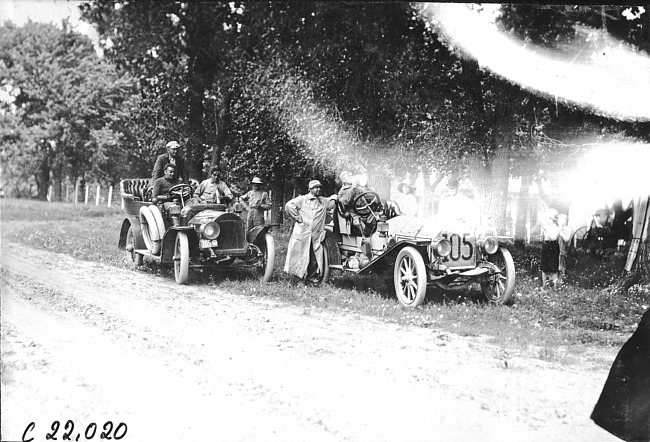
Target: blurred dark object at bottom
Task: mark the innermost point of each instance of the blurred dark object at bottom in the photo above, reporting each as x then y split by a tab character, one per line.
624	405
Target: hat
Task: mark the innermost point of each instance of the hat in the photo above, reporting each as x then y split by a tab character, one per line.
256	180
453	183
346	177
314	183
552	214
604	211
400	187
172	144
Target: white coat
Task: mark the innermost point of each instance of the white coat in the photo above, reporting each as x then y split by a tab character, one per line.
309	212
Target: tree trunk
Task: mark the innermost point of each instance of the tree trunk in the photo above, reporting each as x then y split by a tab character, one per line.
379	180
426	207
491	190
43	177
221	126
277	201
56	184
194	157
638	260
523	205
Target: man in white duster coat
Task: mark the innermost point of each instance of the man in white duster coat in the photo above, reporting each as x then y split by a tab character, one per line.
304	255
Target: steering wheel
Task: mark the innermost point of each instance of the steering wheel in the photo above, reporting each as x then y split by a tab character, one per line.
361	203
182	190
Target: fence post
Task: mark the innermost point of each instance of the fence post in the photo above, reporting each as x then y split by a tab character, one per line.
110	195
97	196
76	193
49	193
67	193
86	199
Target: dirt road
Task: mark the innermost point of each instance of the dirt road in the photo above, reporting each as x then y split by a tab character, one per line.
91	343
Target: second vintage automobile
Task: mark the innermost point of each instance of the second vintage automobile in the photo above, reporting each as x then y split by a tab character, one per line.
190	236
420	252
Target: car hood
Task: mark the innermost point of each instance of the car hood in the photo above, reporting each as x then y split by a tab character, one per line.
209	215
423	228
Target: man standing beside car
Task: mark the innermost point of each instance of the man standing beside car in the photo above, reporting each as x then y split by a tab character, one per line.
212	190
258	202
170	157
304	254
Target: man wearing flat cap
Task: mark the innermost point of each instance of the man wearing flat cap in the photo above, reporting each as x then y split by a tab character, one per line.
170	157
258	202
304	254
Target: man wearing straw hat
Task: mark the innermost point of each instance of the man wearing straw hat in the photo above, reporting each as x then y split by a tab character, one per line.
258	202
304	254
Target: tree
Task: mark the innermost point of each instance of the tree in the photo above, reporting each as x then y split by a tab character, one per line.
65	110
180	53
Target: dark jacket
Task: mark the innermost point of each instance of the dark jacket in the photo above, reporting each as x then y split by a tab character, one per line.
162	161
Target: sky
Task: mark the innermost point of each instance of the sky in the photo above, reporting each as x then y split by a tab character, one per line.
45	11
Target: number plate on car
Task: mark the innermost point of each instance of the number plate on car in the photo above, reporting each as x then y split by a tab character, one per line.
463	250
207	243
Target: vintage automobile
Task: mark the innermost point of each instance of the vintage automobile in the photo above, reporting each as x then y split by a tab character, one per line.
419	252
190	236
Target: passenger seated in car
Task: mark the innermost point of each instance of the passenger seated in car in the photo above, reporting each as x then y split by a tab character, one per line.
212	190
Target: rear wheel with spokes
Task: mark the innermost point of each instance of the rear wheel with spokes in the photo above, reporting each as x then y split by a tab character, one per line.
181	258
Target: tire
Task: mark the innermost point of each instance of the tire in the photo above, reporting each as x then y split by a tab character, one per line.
131	256
579	238
268	263
500	289
181	258
410	277
326	266
159	220
150	232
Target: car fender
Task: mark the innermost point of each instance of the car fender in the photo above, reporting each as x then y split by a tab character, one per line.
137	234
388	257
169	240
256	234
505	241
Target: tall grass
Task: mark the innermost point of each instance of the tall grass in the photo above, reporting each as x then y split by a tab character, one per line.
541	321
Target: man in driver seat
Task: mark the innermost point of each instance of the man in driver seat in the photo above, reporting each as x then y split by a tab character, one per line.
212	190
162	185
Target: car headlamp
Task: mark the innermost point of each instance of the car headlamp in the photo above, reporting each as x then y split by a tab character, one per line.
490	245
441	247
210	230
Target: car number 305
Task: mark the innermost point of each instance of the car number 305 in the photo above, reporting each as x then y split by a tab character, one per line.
207	243
462	248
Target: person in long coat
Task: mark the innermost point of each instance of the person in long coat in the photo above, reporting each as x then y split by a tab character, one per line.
304	255
258	202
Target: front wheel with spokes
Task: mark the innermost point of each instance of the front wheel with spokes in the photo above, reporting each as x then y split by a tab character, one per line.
499	289
410	277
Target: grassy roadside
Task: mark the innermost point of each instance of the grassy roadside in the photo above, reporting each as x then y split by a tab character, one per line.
552	325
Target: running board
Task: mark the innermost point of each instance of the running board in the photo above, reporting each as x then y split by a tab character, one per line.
340	267
147	254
